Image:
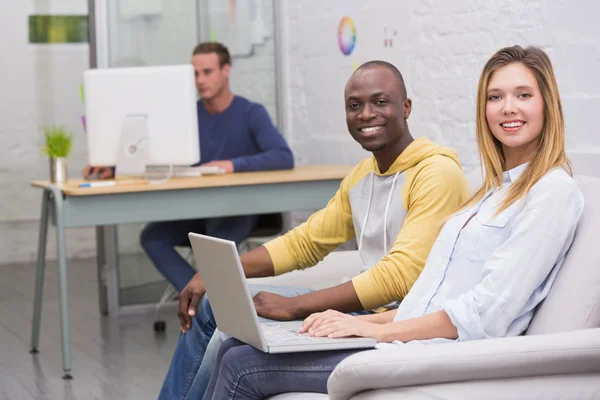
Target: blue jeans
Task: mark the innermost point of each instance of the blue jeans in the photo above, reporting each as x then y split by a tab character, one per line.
160	238
193	361
243	372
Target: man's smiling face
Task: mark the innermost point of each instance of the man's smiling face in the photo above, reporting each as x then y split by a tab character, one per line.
376	108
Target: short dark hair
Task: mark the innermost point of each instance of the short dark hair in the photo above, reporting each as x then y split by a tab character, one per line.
389	66
214	47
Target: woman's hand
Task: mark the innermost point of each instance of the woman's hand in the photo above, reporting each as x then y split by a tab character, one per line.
335	324
314	321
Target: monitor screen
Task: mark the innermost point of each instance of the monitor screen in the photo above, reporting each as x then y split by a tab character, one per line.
153	108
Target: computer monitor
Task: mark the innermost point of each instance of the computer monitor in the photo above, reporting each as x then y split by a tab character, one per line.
141	116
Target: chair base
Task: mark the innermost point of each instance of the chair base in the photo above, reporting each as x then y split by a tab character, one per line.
159	326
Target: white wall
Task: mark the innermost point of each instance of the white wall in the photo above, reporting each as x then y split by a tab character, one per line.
440	47
40	86
254	76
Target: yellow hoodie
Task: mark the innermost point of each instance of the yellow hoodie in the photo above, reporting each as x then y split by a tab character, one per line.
395	216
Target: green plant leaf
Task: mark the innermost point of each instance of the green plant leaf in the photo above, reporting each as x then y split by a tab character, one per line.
58	141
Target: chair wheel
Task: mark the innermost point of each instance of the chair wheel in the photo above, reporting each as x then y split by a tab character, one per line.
160	326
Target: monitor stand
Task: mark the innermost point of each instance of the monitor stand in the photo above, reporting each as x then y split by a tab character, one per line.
131	160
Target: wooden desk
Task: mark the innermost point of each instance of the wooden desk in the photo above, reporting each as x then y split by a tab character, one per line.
135	200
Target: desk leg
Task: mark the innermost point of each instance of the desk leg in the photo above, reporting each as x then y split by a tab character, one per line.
101	267
62	280
39	275
111	256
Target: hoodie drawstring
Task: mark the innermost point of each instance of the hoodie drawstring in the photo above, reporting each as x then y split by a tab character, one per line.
385	215
362	233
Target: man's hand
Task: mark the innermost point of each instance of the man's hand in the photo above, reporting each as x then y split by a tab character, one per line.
189	298
97	172
334	324
274	306
226	165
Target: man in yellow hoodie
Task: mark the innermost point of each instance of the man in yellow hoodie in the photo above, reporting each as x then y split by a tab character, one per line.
393	203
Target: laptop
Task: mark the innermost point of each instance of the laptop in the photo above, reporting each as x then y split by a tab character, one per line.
219	264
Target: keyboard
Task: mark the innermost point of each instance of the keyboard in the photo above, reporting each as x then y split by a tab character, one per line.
276	333
179	171
198	171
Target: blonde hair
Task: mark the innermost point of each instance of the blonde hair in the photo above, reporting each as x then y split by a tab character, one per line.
550	152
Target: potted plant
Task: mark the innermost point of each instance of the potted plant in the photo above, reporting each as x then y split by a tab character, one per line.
58	147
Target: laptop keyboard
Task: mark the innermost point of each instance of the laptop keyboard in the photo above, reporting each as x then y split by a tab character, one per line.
275	333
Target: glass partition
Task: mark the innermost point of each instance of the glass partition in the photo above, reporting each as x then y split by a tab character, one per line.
151	32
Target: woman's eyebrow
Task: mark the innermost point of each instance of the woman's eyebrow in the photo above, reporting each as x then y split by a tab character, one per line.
522	87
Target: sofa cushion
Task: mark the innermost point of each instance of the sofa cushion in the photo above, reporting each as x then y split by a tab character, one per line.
574	300
474	179
330	272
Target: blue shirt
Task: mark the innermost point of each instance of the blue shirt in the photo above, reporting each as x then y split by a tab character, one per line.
490	275
244	134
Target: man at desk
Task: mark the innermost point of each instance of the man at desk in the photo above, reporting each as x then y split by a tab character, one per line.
236	135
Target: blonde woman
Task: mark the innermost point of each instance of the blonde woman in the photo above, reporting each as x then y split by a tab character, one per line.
494	260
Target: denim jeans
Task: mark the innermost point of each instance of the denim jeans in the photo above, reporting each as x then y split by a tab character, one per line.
243	372
193	361
160	238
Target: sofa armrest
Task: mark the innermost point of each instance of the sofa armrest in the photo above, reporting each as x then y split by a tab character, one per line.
523	356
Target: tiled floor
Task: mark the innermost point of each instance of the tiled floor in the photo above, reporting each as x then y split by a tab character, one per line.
112	358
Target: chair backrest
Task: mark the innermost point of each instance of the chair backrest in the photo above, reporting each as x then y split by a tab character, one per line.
574	300
474	179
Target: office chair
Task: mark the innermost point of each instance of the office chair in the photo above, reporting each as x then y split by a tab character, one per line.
267	228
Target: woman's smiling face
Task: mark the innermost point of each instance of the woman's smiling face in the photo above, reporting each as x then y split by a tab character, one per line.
515	107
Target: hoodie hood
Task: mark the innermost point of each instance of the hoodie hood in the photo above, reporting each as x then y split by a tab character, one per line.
419	150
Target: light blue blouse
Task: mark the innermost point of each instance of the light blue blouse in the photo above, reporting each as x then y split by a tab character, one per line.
490	275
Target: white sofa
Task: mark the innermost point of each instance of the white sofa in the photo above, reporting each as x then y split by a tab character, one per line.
558	358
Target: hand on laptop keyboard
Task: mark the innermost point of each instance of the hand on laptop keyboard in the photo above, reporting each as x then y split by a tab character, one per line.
279	333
